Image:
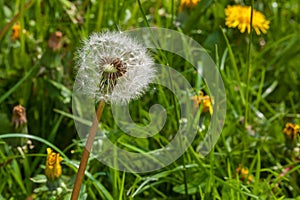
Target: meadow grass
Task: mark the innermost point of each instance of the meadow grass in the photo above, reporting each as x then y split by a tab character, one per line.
252	158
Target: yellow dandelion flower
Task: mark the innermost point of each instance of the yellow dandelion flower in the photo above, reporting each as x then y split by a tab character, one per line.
239	16
244	174
15	32
291	130
205	100
188	3
53	168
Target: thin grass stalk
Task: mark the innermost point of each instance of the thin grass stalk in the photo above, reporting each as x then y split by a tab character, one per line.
86	152
143	13
172	12
184	169
234	66
122	186
100	15
257	173
22	26
27	76
298	18
249	68
180	141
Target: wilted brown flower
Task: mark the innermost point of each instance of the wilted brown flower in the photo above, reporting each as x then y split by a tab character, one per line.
55	41
19	116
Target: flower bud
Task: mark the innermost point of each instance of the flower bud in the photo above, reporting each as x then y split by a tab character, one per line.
53	169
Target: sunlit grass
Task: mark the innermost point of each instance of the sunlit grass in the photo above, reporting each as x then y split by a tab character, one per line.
262	88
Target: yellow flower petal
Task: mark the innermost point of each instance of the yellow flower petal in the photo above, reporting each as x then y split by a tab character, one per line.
189	3
238	16
205	100
53	168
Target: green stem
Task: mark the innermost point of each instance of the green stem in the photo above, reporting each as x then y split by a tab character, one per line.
234	66
249	66
27	76
181	140
100	15
172	13
143	13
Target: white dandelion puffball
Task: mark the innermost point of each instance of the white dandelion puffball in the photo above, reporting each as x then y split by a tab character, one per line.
113	67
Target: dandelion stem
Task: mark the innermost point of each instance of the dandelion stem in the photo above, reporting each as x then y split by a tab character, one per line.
249	66
86	152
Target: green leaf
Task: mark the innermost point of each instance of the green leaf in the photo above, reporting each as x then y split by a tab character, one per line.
5	123
192	189
18	84
40	178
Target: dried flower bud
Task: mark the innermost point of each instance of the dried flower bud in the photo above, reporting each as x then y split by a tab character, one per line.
55	41
19	116
113	67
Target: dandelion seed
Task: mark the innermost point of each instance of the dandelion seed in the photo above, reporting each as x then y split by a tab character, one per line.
238	16
113	67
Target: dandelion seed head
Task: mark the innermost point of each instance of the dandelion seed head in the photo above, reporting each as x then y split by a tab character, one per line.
113	67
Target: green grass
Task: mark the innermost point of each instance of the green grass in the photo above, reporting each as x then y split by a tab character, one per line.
261	76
